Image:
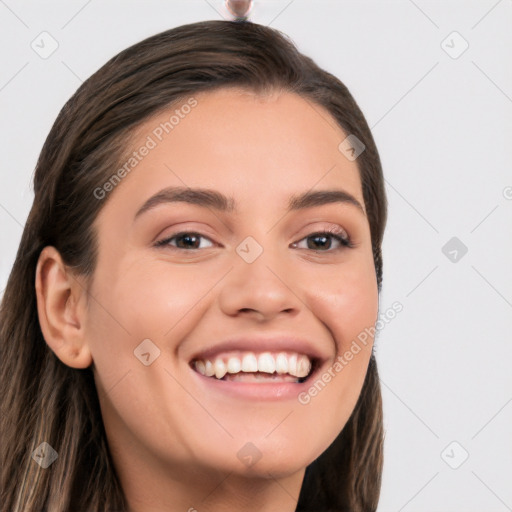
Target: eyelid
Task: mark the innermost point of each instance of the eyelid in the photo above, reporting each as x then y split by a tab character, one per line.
199	228
334	229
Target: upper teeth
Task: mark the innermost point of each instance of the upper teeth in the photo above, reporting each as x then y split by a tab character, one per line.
294	364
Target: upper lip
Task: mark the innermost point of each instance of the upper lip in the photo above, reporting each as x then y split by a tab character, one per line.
275	343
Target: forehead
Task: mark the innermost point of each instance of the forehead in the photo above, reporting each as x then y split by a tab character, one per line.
250	146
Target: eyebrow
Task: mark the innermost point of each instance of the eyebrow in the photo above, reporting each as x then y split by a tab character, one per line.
209	198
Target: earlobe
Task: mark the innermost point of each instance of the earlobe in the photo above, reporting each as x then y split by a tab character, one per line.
61	309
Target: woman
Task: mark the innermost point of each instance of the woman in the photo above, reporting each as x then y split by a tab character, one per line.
181	329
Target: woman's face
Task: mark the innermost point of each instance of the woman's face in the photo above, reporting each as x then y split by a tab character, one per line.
184	276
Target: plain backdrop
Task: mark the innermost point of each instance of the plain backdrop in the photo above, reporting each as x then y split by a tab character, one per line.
434	80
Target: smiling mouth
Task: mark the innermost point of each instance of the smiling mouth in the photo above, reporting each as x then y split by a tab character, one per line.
251	367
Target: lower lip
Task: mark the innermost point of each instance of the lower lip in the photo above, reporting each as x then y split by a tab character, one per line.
255	391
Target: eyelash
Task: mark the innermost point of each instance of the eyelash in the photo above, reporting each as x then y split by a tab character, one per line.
338	235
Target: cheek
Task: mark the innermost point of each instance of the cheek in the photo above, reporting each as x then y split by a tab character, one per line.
149	299
348	307
134	302
145	299
347	301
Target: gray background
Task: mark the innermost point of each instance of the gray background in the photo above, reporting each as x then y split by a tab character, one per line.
442	121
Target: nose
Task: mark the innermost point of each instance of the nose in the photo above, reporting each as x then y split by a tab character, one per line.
262	289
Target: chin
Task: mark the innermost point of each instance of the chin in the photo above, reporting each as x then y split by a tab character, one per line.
264	458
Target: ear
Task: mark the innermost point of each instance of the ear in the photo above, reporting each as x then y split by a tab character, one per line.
61	306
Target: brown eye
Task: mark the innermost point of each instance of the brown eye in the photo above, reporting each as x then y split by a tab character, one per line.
325	241
185	240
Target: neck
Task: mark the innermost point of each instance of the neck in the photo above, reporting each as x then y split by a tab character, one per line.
219	492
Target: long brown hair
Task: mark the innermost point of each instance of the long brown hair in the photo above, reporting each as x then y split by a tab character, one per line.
45	400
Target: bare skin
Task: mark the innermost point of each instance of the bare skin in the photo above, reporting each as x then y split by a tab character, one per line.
175	439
